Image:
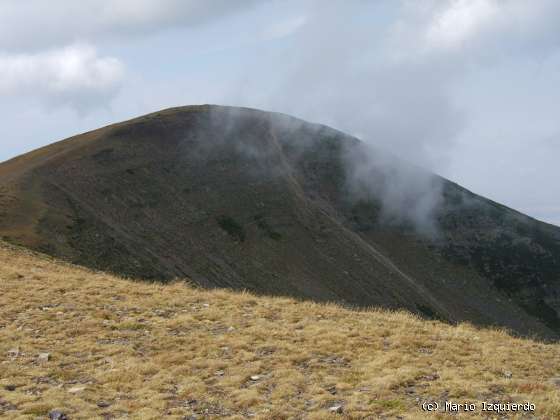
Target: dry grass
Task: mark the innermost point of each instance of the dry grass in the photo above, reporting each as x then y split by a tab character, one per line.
119	348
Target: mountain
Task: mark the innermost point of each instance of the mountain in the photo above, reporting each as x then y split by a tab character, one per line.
244	199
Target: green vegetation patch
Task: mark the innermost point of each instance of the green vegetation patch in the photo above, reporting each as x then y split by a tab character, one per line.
263	225
234	229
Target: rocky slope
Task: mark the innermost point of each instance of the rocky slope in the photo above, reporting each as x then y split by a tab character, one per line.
244	199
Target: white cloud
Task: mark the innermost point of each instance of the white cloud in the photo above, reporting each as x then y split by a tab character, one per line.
459	21
75	75
488	24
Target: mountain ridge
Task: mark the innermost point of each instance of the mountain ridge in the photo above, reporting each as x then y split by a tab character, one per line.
244	199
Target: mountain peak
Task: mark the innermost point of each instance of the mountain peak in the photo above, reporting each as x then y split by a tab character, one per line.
245	199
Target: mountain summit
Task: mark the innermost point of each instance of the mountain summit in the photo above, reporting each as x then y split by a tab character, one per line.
244	199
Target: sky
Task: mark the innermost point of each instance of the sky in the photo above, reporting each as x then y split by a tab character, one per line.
469	89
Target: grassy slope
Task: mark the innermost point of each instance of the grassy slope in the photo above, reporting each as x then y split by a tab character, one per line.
148	350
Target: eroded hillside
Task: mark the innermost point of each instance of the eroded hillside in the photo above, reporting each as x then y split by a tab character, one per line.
96	346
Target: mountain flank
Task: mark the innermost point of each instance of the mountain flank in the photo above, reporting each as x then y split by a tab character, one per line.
248	200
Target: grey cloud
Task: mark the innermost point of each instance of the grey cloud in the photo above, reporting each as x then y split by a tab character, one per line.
38	24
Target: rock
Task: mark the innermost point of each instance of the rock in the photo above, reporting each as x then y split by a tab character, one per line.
230	329
555	381
337	409
508	374
6	406
57	415
10	387
44	357
220	373
13	352
205	305
255	377
76	389
103	404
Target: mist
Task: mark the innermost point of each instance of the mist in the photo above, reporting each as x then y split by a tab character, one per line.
356	79
463	89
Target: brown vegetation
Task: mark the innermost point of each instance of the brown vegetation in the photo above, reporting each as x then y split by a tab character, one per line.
97	346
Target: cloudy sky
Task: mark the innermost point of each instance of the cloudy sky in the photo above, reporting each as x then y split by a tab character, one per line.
467	88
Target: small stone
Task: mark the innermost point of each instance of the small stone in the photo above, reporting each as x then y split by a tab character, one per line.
10	387
230	329
255	377
336	409
508	374
205	305
220	373
555	381
57	415
44	357
13	352
6	406
103	404
76	389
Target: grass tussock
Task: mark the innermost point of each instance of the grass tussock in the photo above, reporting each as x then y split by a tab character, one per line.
117	348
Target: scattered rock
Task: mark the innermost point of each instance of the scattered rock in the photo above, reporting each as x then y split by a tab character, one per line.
432	377
205	305
230	329
10	387
76	389
220	373
6	406
332	390
13	352
555	381
57	415
255	377
103	404
508	374
337	409
44	357
410	390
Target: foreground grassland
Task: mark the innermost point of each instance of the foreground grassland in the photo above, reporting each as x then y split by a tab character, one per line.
96	346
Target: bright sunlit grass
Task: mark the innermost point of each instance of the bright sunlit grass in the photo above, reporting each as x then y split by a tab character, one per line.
117	347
